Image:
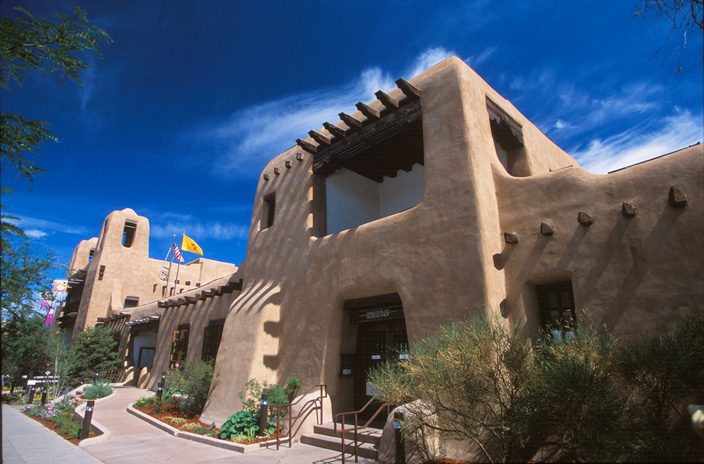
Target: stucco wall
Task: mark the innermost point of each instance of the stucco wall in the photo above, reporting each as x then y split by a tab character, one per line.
440	256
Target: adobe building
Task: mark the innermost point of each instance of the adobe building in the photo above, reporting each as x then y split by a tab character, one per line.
437	201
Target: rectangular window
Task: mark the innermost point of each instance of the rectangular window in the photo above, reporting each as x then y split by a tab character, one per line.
556	306
268	211
101	272
131	302
179	346
128	233
508	140
90	255
211	340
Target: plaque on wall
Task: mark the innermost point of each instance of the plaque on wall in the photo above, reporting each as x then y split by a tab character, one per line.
385	313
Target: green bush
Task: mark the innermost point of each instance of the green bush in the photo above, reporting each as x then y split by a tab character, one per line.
100	389
67	426
145	401
243	424
292	387
586	399
192	382
95	350
276	394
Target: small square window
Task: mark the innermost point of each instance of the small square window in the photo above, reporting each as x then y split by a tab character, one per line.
131	302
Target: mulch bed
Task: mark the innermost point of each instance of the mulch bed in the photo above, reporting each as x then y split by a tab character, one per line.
169	410
52	426
172	410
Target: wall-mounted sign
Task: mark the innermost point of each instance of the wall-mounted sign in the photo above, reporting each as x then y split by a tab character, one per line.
385	313
376	357
346	363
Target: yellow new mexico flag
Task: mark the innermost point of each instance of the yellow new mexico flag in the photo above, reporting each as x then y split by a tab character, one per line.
188	244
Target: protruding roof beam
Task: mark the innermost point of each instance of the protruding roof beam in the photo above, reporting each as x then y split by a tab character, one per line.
352	122
307	146
334	130
320	138
389	102
368	111
409	90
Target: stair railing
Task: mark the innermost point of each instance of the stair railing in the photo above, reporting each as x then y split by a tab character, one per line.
287	415
357	427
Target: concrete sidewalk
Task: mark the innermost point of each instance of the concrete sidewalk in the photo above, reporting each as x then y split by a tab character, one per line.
134	441
25	440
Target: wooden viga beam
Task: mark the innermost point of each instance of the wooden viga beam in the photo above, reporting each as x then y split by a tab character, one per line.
320	138
409	90
368	111
387	100
334	130
352	122
307	146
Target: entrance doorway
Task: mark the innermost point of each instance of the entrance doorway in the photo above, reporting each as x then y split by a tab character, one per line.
380	337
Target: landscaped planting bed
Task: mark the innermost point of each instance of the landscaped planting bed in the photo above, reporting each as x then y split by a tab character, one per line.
170	414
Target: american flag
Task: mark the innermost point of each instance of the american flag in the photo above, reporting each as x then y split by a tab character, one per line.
177	254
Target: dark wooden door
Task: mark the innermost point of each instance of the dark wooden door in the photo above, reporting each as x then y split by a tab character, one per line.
377	343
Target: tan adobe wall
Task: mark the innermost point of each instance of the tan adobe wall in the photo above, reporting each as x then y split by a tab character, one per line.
639	275
81	255
129	272
439	256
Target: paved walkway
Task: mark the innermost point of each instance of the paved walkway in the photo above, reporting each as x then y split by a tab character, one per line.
25	440
134	441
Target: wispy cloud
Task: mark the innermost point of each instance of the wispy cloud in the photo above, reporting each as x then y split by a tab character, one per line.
197	230
35	233
255	134
38	228
481	57
641	143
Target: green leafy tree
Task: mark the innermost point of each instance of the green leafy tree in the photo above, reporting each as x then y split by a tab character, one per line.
31	44
95	350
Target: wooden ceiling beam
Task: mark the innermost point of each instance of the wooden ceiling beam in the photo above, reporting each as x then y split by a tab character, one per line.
368	111
352	122
409	90
307	146
334	130
387	100
320	138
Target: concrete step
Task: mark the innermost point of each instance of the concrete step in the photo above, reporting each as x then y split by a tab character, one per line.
364	450
366	435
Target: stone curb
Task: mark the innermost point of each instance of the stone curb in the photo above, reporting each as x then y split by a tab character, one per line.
232	446
97	427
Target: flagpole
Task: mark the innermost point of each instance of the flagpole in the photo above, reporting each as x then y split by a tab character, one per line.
168	273
178	266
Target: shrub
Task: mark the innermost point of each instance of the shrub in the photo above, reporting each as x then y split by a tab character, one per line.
238	424
192	382
100	389
67	426
95	350
146	401
292	387
276	394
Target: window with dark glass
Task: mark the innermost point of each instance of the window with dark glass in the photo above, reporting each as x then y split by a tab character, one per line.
557	311
131	302
211	340
179	345
268	211
128	233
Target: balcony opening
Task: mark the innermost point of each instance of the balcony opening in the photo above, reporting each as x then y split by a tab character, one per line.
128	233
508	140
373	173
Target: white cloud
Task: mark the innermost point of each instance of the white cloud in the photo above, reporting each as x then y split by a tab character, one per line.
35	233
427	59
484	55
253	135
196	230
641	142
40	225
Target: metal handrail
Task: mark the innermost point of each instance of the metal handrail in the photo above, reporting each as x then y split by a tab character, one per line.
356	428
307	408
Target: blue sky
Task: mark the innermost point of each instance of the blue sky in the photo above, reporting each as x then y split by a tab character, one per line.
185	107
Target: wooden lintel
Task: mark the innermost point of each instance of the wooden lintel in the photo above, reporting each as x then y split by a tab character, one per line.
320	138
408	89
352	122
388	101
368	111
307	146
334	130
